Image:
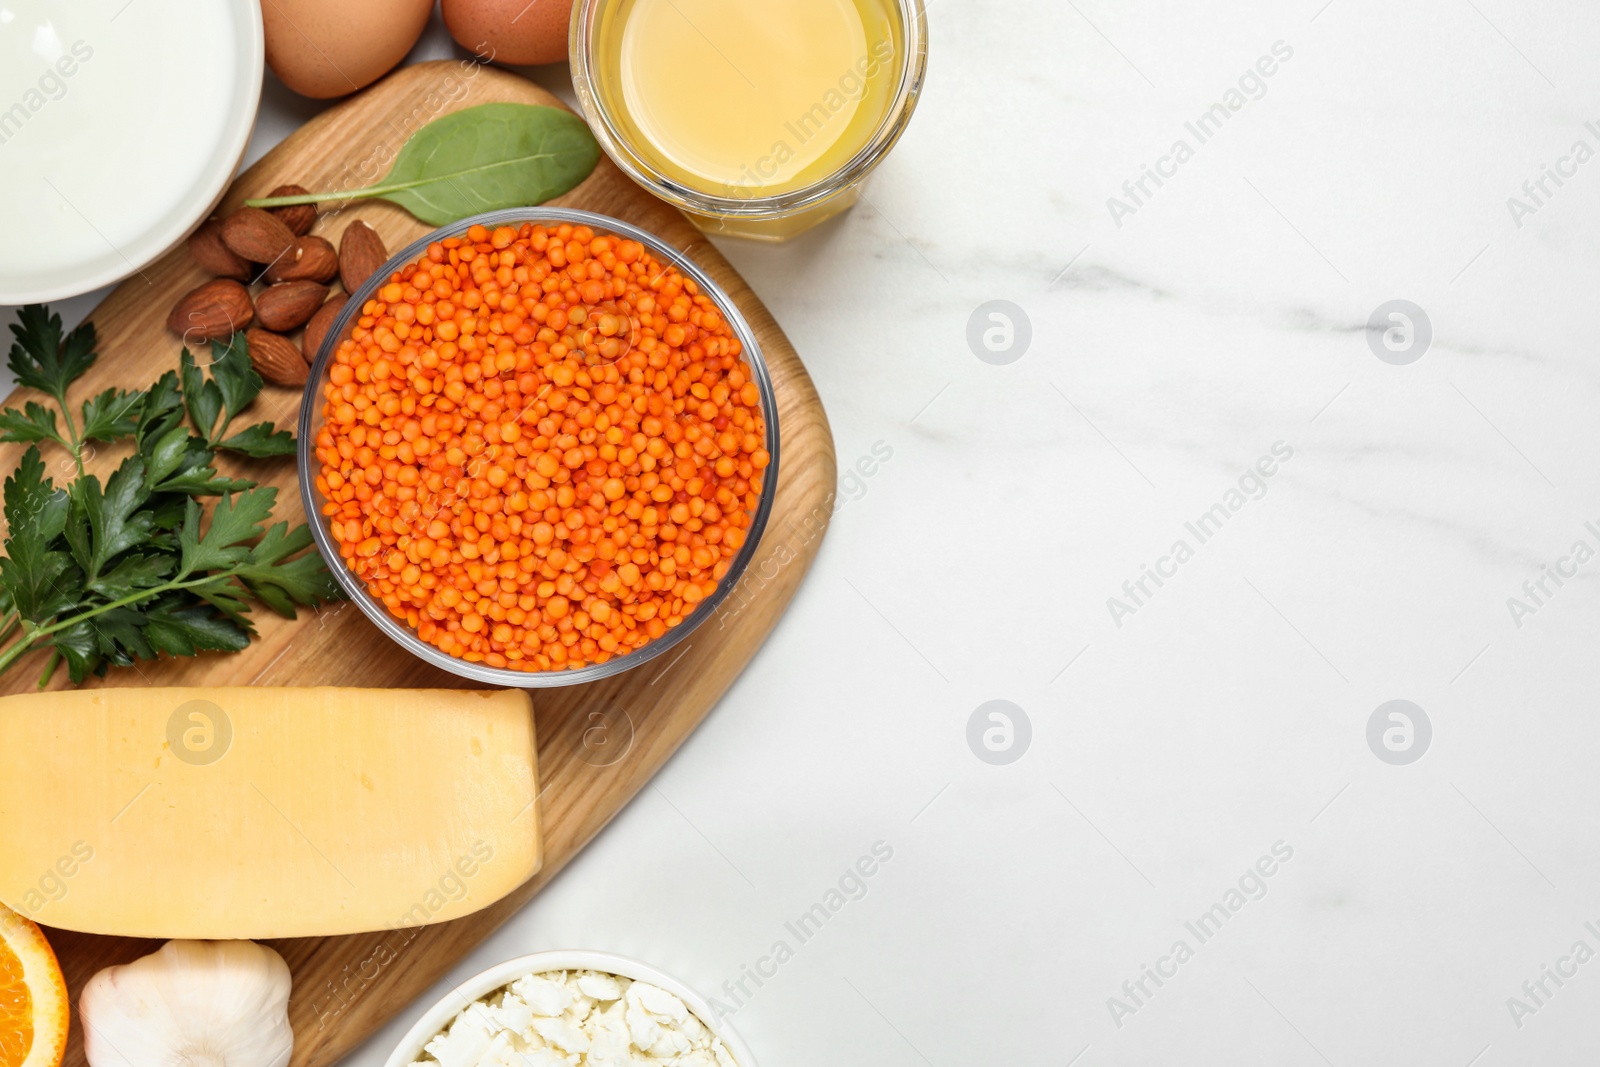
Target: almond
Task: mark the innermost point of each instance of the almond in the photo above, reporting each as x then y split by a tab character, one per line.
214	257
308	259
298	217
289	305
275	358
317	329
361	253
256	235
212	311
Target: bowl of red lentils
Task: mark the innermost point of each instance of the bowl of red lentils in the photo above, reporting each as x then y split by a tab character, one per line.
539	447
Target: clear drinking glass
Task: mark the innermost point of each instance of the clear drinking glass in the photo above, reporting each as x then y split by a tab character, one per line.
772	217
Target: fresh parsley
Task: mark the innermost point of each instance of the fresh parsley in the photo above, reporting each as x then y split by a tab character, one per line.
103	574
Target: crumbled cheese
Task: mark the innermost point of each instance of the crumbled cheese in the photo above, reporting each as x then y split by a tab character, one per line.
599	986
576	1019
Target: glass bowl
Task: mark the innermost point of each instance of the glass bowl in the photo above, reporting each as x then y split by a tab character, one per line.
771	217
311	421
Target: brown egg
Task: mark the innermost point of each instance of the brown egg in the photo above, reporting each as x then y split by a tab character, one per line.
510	31
326	48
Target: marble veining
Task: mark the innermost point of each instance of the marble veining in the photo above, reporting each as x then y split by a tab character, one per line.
995	500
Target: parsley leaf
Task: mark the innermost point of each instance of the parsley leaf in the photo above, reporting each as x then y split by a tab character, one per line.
39	577
111	416
161	410
41	359
227	596
235	520
260	441
79	647
115	523
118	637
188	630
178	462
281	583
203	481
230	388
165	455
201	395
235	376
32	502
34	422
137	571
104	574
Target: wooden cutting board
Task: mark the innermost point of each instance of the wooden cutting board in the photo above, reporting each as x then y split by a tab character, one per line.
598	743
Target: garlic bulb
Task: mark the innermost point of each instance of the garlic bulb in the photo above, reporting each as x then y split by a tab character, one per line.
190	1004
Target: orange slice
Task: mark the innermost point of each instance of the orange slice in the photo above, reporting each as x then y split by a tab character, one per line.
33	996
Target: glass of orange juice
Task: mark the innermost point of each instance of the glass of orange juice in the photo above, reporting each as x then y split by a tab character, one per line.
758	118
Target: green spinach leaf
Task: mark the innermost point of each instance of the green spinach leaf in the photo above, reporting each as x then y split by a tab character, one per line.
479	159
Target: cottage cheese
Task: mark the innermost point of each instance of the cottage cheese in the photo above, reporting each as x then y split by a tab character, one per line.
576	1019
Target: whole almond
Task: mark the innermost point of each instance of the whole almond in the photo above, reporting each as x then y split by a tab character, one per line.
361	253
317	329
289	305
308	259
256	235
298	217
214	257
211	311
275	358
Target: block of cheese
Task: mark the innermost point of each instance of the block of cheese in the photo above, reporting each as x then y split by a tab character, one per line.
263	812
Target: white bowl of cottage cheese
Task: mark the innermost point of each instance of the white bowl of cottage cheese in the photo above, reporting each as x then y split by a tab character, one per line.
572	1009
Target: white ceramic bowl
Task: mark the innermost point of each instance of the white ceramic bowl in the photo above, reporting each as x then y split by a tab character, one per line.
121	124
443	1013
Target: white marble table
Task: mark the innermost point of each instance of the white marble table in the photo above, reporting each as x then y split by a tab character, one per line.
1185	733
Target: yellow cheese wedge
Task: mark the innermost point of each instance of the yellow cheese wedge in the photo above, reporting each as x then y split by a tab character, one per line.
262	812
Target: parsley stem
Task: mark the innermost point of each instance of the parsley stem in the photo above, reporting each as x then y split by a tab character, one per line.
75	445
10	655
50	668
131	598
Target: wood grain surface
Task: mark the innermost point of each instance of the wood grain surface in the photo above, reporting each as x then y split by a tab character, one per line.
346	987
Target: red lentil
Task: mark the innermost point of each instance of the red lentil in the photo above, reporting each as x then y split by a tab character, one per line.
541	447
